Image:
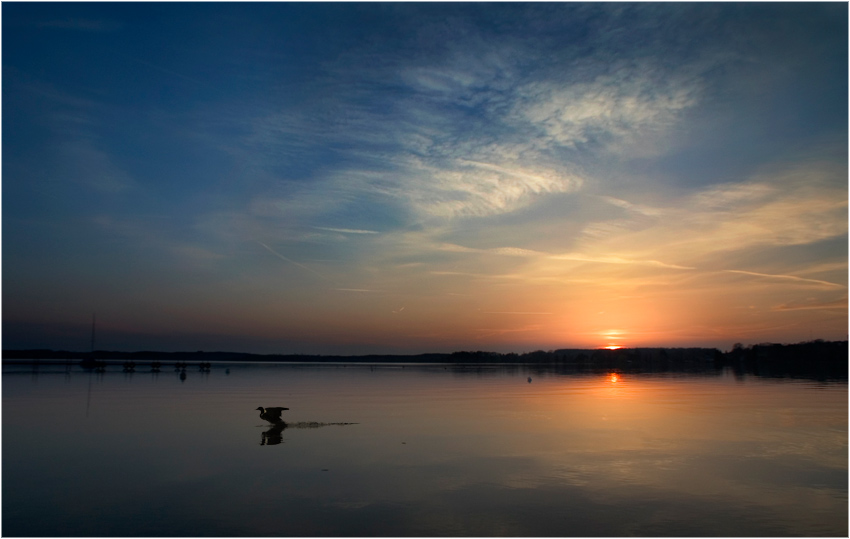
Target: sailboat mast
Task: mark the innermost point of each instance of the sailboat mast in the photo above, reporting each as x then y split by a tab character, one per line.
92	331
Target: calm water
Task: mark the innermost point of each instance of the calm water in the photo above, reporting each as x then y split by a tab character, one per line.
434	451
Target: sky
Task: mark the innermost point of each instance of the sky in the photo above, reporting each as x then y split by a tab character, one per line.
357	178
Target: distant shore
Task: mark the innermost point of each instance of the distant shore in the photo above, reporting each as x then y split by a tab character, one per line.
815	358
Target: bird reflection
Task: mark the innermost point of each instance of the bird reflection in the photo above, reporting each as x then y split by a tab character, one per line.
273	435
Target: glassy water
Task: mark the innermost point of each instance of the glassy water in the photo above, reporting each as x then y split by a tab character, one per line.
427	451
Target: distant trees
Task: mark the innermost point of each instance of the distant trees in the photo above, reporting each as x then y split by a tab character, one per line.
814	359
818	359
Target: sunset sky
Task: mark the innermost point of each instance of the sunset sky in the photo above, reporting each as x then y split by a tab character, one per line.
403	178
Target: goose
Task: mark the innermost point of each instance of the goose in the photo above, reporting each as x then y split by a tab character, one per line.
272	415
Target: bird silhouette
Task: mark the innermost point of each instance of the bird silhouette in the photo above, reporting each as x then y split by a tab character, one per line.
272	415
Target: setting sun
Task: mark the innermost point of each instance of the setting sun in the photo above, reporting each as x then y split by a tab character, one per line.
612	338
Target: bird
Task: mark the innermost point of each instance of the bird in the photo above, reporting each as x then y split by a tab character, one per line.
272	415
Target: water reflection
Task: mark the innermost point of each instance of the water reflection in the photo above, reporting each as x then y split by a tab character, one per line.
474	451
273	435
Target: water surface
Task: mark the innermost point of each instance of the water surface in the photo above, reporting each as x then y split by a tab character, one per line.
432	451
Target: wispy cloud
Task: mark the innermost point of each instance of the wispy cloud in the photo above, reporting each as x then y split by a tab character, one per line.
504	159
92	167
636	208
516	251
346	230
788	278
485	333
358	290
75	152
516	312
840	304
457	188
286	259
618	260
802	204
611	112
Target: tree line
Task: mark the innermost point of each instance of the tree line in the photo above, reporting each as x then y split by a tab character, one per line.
818	359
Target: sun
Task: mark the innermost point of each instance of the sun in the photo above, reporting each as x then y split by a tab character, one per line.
612	336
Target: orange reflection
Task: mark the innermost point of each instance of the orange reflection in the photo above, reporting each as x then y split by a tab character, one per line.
614	377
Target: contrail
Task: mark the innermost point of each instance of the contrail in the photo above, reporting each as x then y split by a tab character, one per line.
512	312
302	266
346	230
786	277
355	290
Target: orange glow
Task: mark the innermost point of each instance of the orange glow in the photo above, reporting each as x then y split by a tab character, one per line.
613	338
614	378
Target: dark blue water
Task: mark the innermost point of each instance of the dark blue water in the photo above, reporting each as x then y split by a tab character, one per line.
427	451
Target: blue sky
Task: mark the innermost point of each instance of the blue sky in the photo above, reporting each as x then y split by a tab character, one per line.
363	177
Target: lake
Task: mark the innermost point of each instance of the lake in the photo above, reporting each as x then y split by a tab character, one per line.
419	450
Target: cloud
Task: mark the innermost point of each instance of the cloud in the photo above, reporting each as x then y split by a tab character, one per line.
610	112
470	134
487	333
451	247
93	167
433	189
786	205
476	190
626	205
618	260
840	304
802	204
346	230
509	159
289	260
516	312
516	251
77	148
360	290
788	278
194	257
